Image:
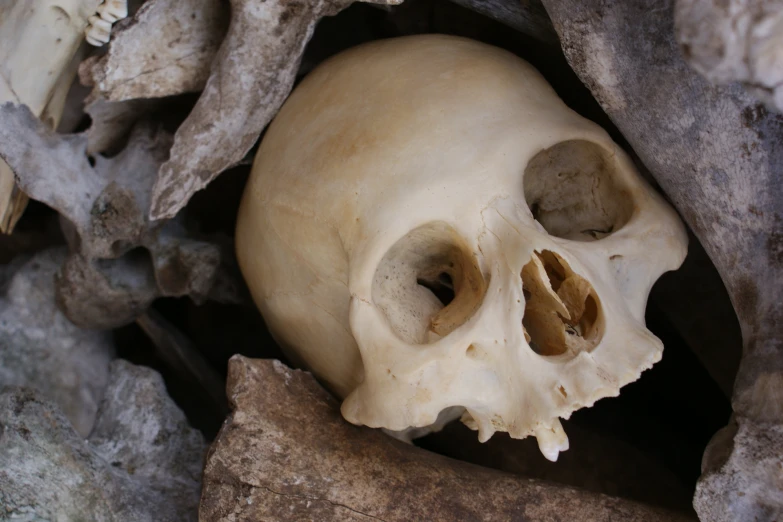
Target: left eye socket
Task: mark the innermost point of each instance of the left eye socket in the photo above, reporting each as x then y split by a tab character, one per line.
428	283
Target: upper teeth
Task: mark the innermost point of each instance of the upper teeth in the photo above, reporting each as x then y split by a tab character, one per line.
109	12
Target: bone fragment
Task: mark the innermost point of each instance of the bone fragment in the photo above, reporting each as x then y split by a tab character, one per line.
47	34
251	76
108	280
166	50
265	466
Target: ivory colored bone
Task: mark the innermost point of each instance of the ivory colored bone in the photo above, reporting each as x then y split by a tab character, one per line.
427	225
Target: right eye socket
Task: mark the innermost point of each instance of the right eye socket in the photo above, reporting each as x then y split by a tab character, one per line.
572	189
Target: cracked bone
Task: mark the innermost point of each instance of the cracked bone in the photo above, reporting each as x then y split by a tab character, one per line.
446	232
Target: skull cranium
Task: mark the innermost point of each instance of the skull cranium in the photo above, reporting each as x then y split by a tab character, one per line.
427	226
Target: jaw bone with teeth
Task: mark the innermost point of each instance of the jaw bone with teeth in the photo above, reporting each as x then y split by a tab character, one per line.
428	226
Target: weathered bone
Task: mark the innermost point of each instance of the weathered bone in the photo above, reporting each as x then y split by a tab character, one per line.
527	17
718	154
166	50
105	213
48	33
251	75
264	466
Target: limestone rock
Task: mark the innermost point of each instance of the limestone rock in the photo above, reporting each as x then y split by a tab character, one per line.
40	348
142	463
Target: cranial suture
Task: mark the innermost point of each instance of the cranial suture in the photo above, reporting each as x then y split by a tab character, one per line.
427	225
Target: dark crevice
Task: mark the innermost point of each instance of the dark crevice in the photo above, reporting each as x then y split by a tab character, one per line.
442	287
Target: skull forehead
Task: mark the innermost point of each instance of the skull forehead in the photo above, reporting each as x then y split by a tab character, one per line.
435	129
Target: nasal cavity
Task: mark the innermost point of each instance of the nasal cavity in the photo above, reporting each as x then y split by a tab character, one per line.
562	311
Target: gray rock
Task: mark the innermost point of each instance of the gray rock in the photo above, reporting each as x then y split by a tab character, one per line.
41	349
142	431
141	464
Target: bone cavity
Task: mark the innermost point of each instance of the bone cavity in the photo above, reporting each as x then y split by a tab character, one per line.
428	284
572	191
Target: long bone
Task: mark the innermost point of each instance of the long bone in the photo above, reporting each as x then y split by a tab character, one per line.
285	454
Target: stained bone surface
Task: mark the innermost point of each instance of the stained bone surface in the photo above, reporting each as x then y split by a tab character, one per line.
286	454
167	50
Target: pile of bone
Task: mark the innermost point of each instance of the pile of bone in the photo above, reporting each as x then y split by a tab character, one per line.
427	228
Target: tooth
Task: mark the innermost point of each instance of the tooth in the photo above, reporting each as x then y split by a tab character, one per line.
113	10
552	440
99	31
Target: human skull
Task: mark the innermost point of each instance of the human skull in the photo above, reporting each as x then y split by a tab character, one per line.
428	226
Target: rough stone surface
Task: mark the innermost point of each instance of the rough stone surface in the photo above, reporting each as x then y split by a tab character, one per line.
140	430
108	280
41	349
735	40
251	75
718	154
286	454
752	481
142	463
166	49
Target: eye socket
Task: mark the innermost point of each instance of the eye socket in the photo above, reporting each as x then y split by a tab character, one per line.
572	189
428	284
562	310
